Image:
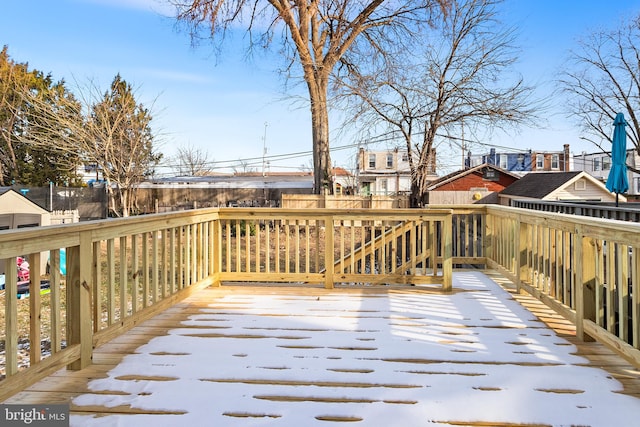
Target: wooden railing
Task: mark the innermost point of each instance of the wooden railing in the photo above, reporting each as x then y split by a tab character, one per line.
330	246
624	212
121	271
587	269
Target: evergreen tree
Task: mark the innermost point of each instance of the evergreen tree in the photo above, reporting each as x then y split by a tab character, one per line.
123	142
20	161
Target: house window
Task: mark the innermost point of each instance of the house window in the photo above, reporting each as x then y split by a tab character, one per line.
555	161
503	161
606	163
637	185
596	164
490	175
383	186
405	157
372	161
389	160
539	161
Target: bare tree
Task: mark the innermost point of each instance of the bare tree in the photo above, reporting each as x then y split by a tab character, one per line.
315	33
243	167
603	79
192	161
458	79
109	130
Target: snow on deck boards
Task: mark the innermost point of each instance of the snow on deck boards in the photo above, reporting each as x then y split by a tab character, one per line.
373	356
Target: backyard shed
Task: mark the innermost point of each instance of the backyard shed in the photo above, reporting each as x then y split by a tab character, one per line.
16	211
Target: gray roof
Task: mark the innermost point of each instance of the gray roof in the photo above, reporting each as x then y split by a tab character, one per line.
286	181
537	185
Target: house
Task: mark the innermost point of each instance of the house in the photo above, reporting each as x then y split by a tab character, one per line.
386	172
525	161
344	182
479	184
243	189
598	165
557	186
16	211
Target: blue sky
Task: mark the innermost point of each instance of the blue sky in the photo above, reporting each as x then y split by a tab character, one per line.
221	104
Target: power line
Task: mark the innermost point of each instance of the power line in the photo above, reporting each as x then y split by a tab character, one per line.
393	135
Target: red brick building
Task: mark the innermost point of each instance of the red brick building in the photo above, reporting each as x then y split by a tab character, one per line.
479	184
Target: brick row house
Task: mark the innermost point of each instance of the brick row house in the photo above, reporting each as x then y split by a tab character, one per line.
525	161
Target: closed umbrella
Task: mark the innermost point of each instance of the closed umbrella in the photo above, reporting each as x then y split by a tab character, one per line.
617	181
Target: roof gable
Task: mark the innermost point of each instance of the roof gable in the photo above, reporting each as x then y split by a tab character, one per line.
13	202
465	172
555	185
538	185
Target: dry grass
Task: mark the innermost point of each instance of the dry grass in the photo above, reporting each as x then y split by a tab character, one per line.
23	309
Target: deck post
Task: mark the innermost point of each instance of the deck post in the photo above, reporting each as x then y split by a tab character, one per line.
35	308
79	274
329	261
489	224
585	280
11	317
447	253
521	246
216	251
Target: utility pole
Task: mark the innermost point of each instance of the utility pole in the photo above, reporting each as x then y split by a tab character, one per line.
264	150
464	163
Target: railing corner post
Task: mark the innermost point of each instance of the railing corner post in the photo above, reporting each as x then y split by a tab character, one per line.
447	254
216	256
522	245
328	252
79	321
584	282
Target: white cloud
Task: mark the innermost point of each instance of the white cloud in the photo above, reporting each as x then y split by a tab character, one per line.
162	7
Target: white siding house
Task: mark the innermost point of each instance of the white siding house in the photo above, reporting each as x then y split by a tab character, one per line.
598	165
385	172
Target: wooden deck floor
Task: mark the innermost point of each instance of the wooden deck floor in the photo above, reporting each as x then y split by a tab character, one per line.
210	304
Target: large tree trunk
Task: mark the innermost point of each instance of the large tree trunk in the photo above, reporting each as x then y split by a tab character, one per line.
323	176
124	201
422	171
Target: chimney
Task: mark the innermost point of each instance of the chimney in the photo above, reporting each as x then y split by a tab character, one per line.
492	157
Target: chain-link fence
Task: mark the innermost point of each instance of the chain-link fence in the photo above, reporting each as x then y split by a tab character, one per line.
91	202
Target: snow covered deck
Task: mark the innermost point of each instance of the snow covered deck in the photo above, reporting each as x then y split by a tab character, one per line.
367	356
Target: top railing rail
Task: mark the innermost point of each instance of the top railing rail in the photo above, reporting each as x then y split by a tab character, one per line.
627	212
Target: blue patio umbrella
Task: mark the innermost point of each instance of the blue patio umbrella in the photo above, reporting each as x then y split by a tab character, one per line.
617	181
